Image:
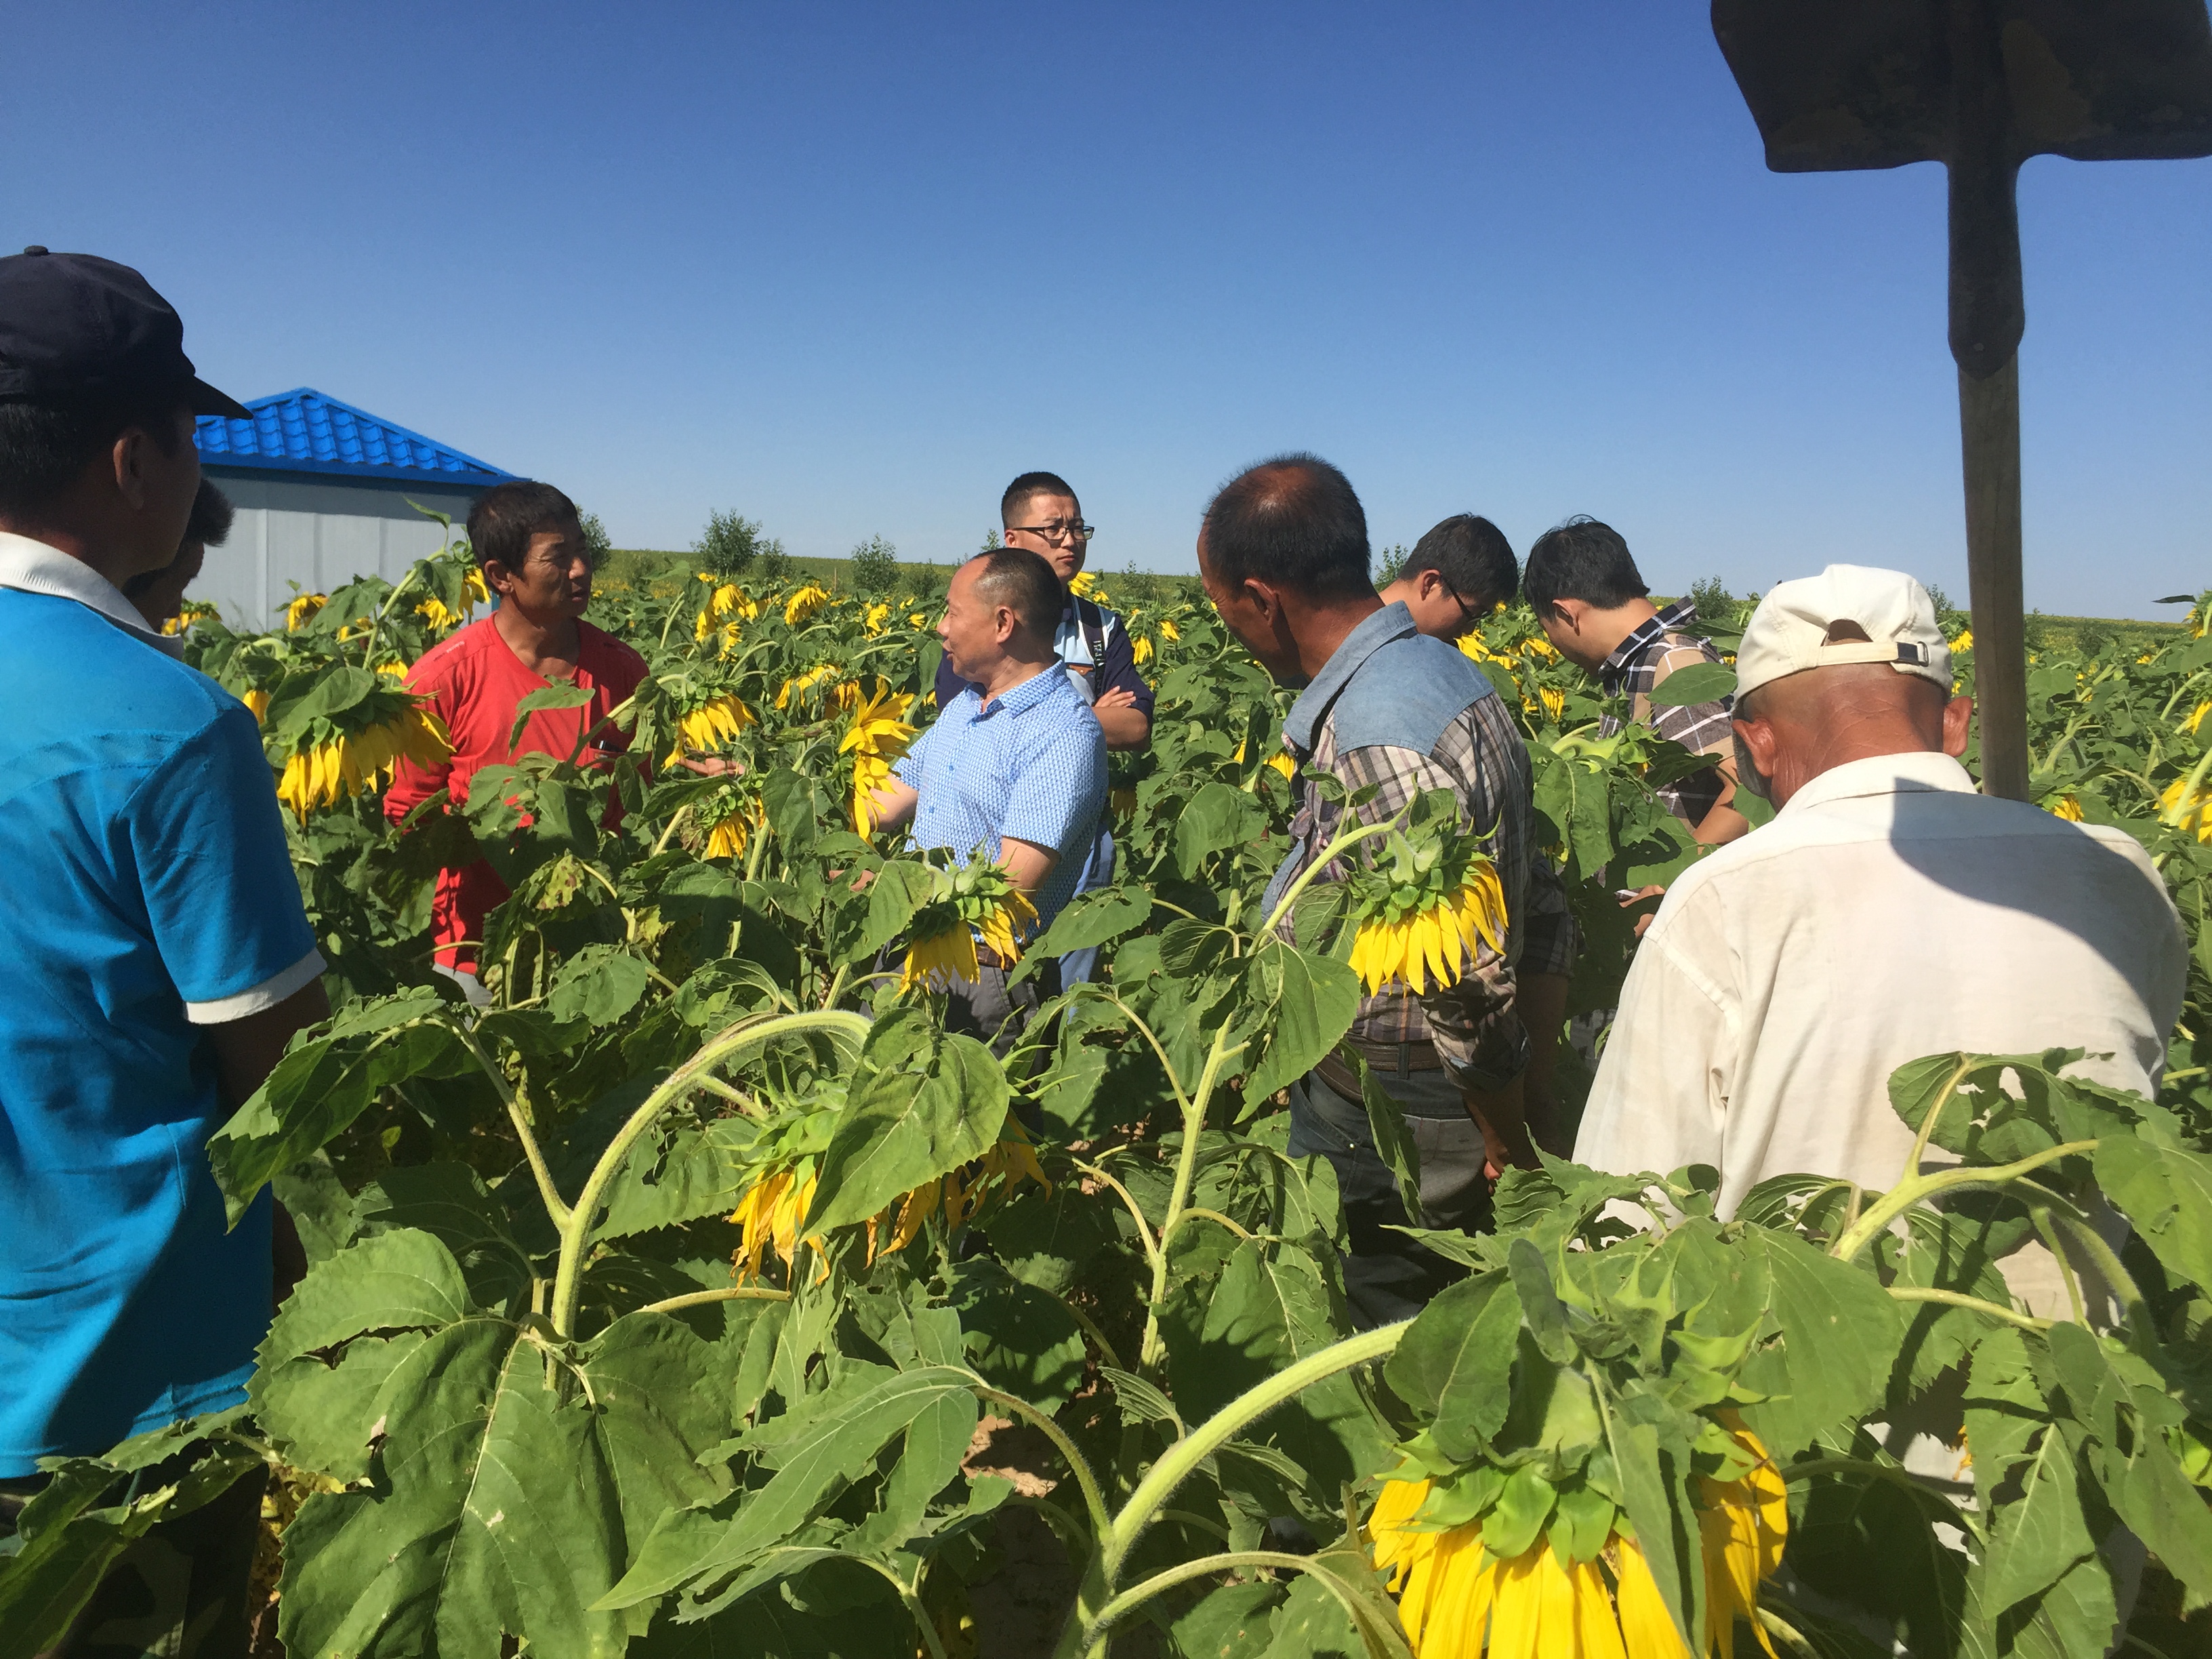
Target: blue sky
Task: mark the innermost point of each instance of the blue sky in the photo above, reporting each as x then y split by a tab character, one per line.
848	268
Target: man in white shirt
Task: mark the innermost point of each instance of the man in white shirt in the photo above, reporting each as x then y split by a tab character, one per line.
1888	912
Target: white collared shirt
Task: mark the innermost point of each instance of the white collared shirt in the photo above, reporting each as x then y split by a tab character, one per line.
1889	911
33	566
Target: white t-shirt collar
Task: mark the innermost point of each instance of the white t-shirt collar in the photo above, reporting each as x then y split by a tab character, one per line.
34	567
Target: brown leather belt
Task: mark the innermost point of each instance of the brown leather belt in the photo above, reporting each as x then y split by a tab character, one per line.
1388	1058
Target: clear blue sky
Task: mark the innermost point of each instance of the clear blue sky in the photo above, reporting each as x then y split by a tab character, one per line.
848	268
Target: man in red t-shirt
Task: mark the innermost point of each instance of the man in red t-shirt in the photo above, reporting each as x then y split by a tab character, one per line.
529	543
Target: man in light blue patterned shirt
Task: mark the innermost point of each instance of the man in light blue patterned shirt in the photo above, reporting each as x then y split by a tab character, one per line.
1016	765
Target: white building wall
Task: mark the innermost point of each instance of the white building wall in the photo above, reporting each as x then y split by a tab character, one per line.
320	533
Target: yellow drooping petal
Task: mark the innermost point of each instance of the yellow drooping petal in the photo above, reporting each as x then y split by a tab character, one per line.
709	726
1012	917
936	962
2068	807
1140	650
2185	808
1743	1525
303	605
1646	1627
1965	641
2196	717
799	685
770	1213
257	700
1516	1619
807	602
1169	632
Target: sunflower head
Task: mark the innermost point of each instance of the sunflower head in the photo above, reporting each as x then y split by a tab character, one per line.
357	750
809	601
1424	899
302	606
977	902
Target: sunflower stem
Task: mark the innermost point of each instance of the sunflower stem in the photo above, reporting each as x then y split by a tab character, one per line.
1957	1299
1915	1189
548	1193
675	822
1193	1127
726	1293
1086	1479
749	1033
1229	1561
1178	1462
1928	1123
1322	860
1144	1227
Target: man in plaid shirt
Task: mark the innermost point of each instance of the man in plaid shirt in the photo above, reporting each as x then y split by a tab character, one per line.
1594	607
1285	557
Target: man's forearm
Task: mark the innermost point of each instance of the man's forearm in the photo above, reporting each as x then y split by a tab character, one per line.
1127	727
1498	1113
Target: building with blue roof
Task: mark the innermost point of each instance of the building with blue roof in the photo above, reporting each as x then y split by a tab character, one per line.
324	493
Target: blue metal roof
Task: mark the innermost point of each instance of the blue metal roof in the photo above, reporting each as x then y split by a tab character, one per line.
304	431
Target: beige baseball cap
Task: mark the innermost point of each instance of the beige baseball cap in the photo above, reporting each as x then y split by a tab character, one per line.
1847	613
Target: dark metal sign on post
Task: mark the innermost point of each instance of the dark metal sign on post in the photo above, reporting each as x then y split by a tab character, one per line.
1980	86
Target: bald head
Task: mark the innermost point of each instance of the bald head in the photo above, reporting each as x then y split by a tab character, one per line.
1791	730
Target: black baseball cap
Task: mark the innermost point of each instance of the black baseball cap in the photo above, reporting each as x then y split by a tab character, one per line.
76	328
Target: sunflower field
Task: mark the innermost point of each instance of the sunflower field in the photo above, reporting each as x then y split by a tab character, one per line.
703	1296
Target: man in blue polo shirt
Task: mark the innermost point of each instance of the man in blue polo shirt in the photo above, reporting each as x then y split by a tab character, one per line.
158	958
1015	764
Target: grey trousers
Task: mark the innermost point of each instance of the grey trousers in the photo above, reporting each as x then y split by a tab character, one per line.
1387	1275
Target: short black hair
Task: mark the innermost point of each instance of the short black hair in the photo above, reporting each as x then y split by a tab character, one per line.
1031	483
1472	557
1292	522
507	515
46	447
1582	559
1026	584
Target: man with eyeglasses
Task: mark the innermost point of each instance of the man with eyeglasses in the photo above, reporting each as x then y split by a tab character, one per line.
1457	575
1039	512
1595	608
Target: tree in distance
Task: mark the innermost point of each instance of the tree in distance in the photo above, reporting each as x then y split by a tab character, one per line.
872	566
731	543
596	540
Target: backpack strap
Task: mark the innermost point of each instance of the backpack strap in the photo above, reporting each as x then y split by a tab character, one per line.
1092	622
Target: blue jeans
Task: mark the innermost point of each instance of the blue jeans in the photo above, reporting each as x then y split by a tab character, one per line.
1077	967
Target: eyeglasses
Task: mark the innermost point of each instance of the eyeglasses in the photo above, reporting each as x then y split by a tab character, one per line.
1056	531
1469	616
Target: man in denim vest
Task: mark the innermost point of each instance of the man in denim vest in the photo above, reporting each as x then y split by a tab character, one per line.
1285	557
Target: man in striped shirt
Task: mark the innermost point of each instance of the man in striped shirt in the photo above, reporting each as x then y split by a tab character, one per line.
1285	557
1595	608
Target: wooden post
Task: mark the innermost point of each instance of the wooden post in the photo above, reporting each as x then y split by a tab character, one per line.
1988	316
1989	430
